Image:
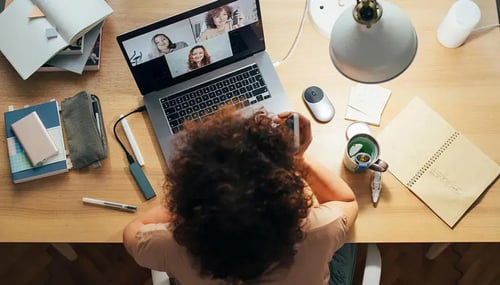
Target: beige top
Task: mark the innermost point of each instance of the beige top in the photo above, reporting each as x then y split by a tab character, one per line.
326	231
214	32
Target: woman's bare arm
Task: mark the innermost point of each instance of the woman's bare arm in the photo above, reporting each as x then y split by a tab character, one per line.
157	214
329	187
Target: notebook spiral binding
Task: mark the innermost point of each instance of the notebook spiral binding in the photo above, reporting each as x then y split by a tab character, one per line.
433	159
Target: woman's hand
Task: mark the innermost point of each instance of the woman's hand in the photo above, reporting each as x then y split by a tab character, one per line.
305	133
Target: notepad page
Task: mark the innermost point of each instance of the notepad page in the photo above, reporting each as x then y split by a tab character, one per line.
435	161
455	180
402	141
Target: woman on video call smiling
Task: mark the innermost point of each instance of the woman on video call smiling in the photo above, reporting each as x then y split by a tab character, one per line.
220	21
164	45
198	57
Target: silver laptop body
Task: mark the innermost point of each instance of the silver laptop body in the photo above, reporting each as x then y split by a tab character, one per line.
161	76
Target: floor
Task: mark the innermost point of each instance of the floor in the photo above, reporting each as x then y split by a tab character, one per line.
459	264
110	264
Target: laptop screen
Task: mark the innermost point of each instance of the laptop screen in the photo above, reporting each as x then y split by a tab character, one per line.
186	45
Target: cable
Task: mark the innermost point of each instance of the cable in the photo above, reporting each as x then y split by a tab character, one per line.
295	41
130	158
485	27
299	32
134	167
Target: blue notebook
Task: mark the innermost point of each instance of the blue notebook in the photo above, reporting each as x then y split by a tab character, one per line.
21	168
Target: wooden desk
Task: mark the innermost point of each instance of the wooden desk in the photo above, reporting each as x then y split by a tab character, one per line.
461	84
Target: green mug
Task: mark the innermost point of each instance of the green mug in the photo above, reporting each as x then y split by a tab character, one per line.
362	153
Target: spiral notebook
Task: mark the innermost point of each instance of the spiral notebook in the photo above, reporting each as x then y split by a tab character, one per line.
435	161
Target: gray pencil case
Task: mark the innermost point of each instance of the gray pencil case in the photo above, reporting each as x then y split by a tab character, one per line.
83	124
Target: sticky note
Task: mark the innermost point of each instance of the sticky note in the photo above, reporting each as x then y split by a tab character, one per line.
366	103
36	13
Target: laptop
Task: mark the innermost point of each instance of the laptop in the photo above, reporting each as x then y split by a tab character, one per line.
187	66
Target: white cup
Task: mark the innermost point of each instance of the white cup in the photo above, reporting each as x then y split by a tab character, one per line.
462	17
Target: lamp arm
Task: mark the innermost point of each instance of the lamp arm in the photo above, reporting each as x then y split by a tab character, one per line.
367	12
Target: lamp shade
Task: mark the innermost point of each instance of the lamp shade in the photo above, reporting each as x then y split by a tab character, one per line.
375	54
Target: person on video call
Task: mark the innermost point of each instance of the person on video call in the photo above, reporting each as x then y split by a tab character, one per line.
243	207
163	45
198	57
220	21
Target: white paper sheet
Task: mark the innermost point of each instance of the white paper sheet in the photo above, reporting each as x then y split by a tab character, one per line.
366	103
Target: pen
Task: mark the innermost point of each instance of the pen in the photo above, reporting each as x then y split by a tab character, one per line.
125	207
96	113
131	140
376	186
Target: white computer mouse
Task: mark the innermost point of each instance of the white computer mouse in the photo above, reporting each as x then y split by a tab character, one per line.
318	103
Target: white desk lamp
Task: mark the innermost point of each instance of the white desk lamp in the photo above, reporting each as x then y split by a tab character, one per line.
368	43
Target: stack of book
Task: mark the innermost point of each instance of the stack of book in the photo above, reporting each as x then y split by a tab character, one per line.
23	167
53	35
73	57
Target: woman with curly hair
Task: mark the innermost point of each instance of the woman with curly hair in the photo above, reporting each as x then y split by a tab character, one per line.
219	21
198	57
243	206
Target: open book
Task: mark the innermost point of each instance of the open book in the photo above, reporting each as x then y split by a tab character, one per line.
29	42
435	161
77	63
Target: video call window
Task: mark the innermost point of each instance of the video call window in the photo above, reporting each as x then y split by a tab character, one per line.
195	42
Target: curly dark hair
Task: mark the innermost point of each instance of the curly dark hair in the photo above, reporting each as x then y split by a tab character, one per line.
216	12
236	195
207	59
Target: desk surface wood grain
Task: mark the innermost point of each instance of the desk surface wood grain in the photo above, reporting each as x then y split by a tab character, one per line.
461	84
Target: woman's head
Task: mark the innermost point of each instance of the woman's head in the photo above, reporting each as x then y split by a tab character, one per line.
218	17
198	57
163	43
236	195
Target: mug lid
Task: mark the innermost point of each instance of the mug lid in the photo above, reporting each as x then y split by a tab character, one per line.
357	128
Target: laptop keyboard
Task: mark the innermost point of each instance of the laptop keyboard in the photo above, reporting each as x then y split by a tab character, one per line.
240	88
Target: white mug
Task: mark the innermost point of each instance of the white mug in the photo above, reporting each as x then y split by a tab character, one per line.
461	19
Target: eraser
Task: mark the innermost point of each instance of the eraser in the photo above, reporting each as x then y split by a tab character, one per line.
51	33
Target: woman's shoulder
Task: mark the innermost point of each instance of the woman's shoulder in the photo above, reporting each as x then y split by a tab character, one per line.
181	44
151	231
326	217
